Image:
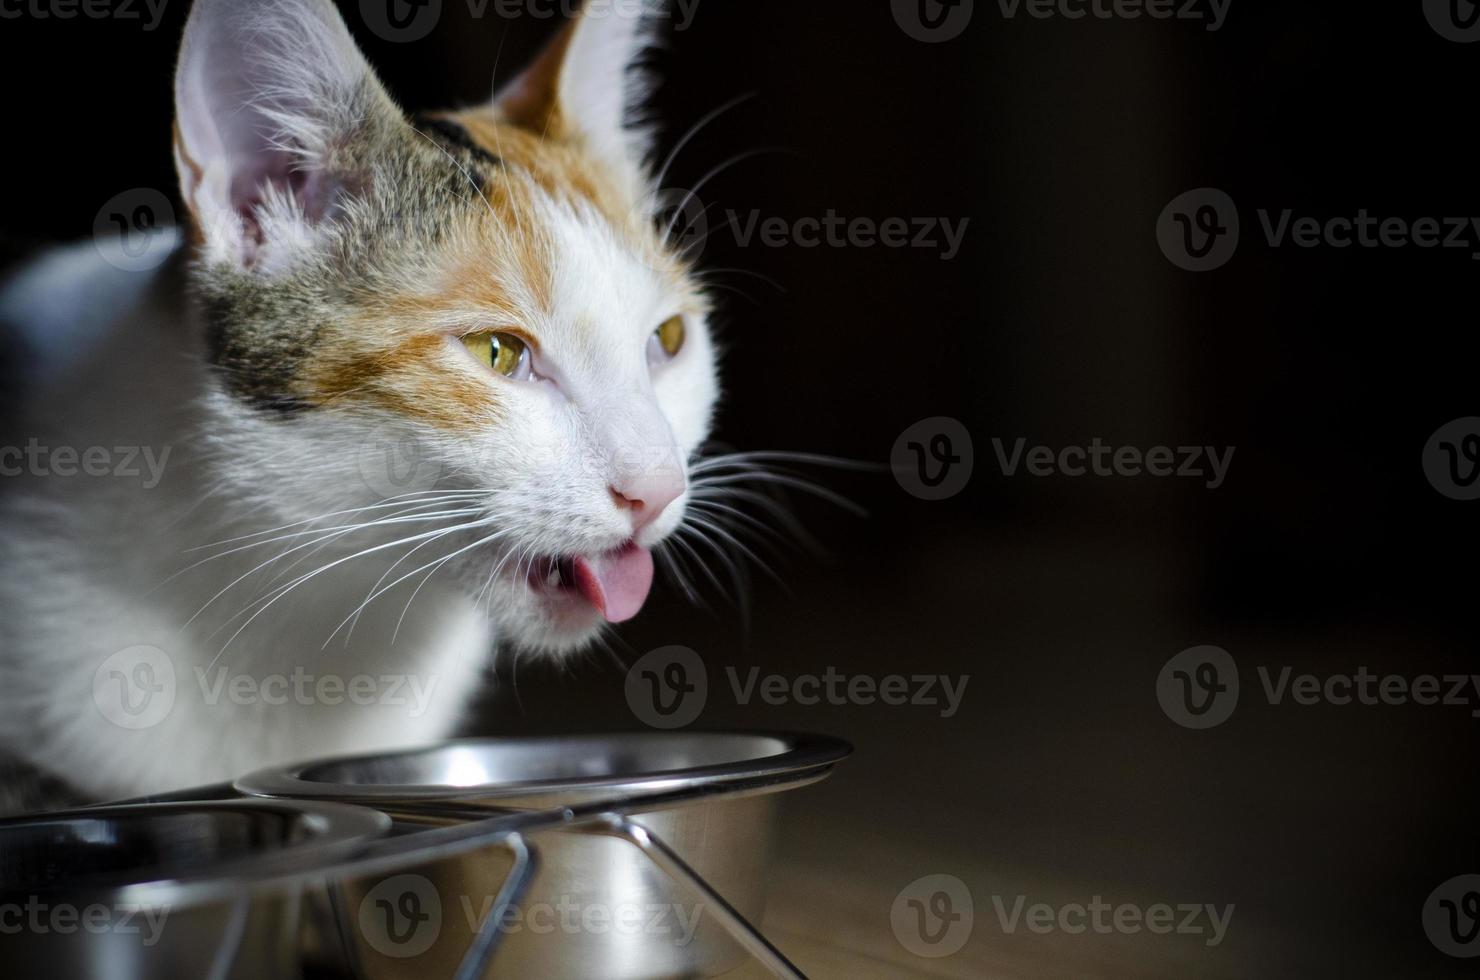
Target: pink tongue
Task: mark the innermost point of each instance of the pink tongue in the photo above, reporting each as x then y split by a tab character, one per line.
617	584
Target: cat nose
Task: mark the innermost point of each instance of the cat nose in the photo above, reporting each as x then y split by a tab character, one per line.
647	496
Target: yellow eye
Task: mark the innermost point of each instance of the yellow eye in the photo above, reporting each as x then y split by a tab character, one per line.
671	336
505	353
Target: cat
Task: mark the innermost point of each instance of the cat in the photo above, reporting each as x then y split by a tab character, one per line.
414	388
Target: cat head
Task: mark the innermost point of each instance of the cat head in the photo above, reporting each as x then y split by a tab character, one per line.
467	319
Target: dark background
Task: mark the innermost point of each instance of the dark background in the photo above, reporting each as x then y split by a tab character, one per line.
1059	321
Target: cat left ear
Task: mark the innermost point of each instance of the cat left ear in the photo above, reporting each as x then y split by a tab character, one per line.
589	83
269	98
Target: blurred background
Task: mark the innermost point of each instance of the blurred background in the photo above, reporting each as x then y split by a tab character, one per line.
1060	320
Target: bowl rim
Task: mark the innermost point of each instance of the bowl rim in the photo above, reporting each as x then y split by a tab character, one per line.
342	830
803	756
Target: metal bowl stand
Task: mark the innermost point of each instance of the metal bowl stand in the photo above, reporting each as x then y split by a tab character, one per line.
510	830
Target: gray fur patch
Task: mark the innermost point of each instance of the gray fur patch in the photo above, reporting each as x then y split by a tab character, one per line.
402	194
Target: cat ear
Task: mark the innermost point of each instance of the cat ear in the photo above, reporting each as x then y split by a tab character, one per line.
588	84
267	96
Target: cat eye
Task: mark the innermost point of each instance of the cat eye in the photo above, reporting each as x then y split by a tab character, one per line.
671	335
503	352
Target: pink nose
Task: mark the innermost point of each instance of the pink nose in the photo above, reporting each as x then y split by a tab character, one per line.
648	496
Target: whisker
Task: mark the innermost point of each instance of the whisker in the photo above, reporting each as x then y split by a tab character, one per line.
788	480
328	536
285	590
734	161
694	131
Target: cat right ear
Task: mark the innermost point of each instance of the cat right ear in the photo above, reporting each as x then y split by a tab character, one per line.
269	98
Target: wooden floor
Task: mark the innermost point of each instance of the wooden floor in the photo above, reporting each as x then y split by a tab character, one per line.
834	925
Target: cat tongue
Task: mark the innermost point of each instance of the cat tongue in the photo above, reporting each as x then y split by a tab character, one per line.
617	583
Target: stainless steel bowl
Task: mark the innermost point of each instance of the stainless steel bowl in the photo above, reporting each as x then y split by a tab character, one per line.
599	907
179	889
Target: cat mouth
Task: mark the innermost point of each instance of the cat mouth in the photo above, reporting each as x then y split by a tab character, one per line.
615	584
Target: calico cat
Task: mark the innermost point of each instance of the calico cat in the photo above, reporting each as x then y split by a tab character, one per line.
412	387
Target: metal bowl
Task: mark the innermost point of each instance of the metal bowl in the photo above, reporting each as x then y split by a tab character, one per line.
179	889
599	906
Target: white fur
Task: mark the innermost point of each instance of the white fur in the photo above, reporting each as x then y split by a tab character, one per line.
99	565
